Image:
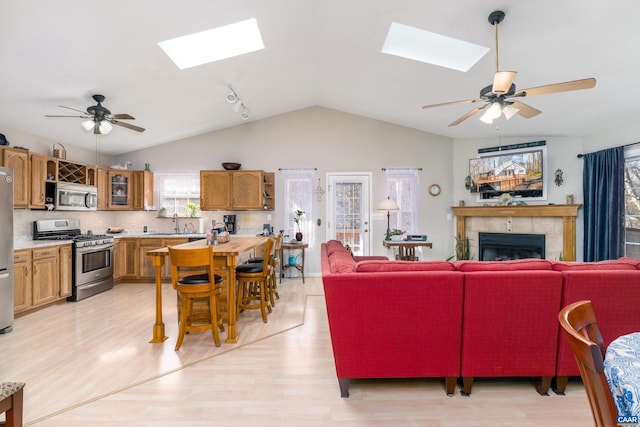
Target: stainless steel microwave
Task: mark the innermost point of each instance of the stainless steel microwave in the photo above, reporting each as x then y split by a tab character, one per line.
76	197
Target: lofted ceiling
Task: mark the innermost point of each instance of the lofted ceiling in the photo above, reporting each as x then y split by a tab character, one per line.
317	52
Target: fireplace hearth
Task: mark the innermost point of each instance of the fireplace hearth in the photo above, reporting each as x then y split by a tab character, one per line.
509	246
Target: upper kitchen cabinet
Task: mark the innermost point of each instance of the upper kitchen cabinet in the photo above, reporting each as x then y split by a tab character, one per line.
142	189
18	160
124	189
236	190
38	180
215	190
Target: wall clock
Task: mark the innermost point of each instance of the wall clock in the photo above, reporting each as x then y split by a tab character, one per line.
434	190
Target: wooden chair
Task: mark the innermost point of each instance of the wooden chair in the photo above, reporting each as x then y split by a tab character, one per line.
275	261
253	283
191	287
11	403
579	323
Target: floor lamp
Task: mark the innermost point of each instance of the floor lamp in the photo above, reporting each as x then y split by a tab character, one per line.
388	205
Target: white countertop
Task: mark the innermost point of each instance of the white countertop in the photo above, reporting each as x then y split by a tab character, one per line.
31	244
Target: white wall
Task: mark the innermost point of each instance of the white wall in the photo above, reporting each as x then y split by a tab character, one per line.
331	141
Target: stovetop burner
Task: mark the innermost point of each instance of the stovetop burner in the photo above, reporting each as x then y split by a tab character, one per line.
67	229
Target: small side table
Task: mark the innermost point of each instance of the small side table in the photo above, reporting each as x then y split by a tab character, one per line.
285	265
406	249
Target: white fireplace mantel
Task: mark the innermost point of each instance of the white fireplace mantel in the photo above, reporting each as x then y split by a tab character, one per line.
568	213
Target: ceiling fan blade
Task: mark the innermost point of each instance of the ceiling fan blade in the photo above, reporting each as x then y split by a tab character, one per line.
469	114
80	117
466	101
128	126
558	87
525	111
122	117
502	81
73	109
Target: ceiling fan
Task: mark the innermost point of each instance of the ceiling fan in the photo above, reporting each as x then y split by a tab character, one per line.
100	119
500	97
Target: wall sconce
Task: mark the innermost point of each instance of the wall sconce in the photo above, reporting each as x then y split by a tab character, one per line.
237	104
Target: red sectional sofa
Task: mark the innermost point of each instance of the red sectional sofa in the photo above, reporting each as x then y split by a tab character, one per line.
467	319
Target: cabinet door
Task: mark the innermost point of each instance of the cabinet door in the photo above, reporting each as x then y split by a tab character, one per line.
103	188
247	190
120	188
166	273
46	283
125	256
142	189
215	190
22	282
38	175
65	271
147	270
18	160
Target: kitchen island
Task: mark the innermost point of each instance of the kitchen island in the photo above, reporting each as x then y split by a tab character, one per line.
226	256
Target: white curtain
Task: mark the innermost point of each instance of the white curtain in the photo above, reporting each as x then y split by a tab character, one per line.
403	187
298	185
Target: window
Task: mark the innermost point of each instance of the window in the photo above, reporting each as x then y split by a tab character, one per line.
632	202
299	194
175	190
402	186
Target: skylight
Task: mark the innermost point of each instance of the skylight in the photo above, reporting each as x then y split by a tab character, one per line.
419	45
215	44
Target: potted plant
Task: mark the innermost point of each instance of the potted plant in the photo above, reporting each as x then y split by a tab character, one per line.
298	213
395	234
192	209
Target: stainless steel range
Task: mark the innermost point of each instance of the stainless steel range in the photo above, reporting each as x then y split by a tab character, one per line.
92	255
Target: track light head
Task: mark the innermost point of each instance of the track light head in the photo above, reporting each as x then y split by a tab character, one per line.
232	97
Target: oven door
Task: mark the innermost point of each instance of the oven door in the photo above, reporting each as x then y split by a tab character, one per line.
92	264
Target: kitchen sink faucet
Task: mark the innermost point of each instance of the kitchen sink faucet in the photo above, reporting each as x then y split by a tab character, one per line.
175	219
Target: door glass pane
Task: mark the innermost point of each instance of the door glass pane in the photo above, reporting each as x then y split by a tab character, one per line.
348	214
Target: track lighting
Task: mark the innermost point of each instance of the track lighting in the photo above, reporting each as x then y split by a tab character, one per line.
232	97
237	104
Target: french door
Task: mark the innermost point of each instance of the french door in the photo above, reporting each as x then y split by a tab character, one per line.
349	210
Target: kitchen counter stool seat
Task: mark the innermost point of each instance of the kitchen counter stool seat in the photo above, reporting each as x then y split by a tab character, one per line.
253	283
11	403
191	287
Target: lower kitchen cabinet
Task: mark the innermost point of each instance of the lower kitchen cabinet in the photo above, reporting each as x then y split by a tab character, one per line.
131	262
41	276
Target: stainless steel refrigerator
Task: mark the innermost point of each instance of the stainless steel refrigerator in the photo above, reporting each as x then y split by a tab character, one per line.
6	250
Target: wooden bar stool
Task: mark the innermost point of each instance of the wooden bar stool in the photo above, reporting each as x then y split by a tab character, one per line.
253	283
191	287
11	403
273	271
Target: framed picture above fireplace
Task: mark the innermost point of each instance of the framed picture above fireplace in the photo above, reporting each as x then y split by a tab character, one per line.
519	170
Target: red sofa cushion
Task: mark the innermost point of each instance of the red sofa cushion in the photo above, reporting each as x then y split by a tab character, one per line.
511	265
600	265
510	325
342	262
335	246
376	266
614	296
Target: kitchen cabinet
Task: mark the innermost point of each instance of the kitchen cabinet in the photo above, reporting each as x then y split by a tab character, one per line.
22	280
215	190
131	262
45	275
237	190
66	272
124	189
18	160
142	189
38	180
125	259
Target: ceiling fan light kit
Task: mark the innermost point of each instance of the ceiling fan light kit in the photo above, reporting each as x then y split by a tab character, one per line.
99	119
497	96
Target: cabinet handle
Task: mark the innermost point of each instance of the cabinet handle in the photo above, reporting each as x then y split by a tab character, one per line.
35	270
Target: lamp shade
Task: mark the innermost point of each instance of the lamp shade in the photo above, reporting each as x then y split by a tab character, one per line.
88	124
105	127
388	205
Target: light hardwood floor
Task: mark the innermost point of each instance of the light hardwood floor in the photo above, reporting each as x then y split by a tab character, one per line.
90	364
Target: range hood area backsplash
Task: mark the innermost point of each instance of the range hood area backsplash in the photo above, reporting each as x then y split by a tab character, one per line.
248	223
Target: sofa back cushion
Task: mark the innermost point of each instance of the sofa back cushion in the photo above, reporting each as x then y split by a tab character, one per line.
334	246
377	266
341	262
511	265
600	265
